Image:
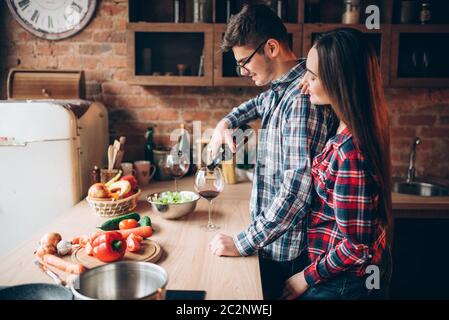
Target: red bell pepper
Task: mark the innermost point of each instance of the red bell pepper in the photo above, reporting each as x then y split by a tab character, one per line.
109	246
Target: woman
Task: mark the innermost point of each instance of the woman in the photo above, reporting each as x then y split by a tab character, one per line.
349	221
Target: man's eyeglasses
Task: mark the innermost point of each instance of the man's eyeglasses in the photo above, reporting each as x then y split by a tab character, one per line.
240	69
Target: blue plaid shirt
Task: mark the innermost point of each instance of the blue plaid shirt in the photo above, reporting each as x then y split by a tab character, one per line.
294	132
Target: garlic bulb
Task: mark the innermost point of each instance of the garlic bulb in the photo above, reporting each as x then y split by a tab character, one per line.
64	247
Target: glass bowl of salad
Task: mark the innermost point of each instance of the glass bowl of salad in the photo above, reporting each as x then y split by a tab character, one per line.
173	205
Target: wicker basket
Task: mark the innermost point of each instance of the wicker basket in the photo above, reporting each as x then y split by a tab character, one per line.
112	208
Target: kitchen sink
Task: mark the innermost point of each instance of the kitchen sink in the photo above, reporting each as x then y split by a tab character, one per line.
420	188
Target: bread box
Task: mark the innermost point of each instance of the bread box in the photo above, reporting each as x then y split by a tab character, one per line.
45	84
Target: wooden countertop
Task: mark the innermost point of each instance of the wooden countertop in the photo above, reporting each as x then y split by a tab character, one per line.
409	202
187	258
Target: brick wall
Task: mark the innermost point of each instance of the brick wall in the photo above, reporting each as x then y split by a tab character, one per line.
100	50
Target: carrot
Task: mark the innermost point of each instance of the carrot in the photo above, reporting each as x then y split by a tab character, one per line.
76	240
63	265
144	232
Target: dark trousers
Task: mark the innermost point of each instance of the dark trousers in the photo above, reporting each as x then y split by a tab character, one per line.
275	273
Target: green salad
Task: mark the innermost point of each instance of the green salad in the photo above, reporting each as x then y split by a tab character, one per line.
172	197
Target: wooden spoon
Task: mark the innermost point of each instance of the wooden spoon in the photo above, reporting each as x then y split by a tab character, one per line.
110	155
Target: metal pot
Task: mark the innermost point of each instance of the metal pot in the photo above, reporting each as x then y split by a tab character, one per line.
124	280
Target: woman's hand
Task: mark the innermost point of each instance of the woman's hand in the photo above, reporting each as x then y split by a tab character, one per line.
295	286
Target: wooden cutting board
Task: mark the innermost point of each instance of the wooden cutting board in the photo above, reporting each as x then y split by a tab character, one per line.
150	251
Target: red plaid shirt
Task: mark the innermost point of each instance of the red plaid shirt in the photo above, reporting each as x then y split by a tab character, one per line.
344	231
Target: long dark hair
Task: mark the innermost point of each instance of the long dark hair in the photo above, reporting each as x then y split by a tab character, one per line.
349	71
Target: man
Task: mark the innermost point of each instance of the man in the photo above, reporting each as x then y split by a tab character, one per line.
293	132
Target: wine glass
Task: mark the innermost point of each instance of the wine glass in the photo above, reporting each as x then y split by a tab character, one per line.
176	165
209	183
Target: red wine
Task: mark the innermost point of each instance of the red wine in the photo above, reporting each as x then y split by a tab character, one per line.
209	194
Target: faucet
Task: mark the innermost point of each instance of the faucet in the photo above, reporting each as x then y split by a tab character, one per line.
411	165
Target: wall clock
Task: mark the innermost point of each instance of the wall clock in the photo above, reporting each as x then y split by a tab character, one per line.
53	19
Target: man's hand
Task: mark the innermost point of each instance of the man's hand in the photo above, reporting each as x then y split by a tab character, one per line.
304	86
295	286
222	134
223	245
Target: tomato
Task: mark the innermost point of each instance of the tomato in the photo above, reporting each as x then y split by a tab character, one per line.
132	244
89	249
128	224
135	237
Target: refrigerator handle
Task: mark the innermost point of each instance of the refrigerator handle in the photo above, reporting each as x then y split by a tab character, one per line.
12	142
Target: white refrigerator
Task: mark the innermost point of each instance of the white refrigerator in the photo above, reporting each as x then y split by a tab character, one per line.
47	149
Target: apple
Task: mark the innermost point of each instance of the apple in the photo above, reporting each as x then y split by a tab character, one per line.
120	188
129	194
132	180
98	190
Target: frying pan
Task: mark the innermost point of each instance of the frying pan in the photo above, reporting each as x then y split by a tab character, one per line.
36	291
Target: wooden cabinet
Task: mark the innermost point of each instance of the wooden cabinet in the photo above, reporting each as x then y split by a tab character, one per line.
410	55
419	255
170	54
419	56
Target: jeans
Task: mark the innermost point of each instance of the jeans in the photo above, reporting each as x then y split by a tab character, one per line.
275	273
343	287
348	286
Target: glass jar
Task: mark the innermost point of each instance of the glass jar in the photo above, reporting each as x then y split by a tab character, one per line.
179	11
409	11
202	11
425	14
351	15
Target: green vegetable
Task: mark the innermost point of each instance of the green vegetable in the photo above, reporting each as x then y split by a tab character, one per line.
172	197
112	224
145	221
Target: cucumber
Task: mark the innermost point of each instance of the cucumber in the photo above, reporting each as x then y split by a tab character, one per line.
145	222
112	224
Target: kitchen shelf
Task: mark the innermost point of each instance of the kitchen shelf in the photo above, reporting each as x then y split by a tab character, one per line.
439	12
289	10
151	26
419	56
331	11
170	45
163	11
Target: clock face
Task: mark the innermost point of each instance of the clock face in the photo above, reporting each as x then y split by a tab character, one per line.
52	19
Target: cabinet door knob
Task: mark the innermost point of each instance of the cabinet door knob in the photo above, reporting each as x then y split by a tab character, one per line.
45	92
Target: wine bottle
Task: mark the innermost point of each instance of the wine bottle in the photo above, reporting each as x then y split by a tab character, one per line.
149	144
183	146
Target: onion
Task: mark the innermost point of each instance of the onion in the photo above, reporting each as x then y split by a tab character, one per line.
51	238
